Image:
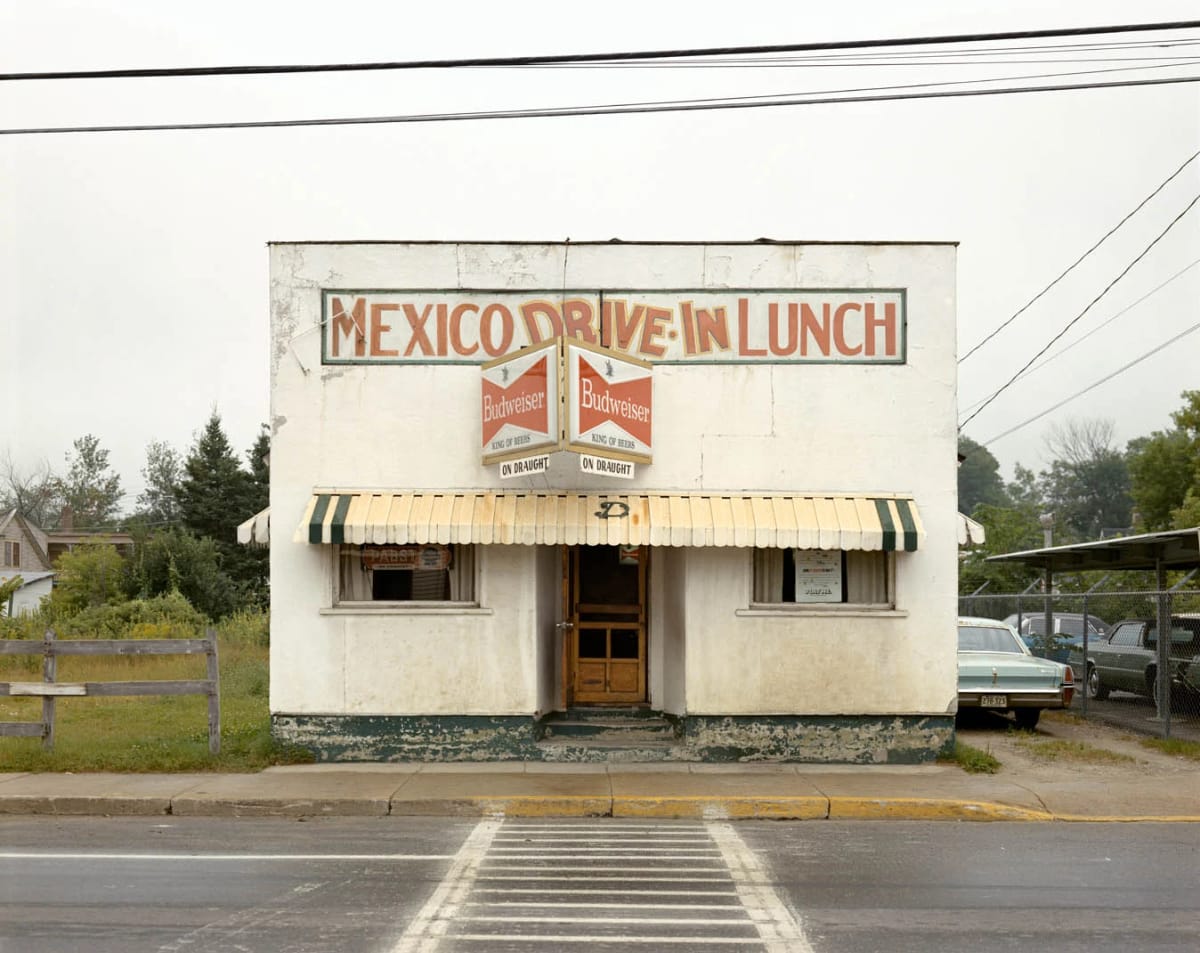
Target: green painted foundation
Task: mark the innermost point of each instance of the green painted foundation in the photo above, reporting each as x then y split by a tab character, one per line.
811	739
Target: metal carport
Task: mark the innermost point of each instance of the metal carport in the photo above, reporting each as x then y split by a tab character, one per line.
1160	552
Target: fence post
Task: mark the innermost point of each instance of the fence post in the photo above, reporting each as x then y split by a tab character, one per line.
214	694
1084	649
49	673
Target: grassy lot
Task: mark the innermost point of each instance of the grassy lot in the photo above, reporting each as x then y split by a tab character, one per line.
151	733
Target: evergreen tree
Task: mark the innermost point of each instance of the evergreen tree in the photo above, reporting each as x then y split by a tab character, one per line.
215	492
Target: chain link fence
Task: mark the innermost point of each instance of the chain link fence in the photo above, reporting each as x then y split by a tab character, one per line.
1128	664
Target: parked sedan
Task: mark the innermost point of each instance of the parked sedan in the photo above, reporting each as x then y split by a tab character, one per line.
997	671
1128	659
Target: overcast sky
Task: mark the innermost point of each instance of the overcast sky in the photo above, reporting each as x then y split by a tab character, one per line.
134	264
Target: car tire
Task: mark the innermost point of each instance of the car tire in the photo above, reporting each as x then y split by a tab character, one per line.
1027	718
1152	686
1095	688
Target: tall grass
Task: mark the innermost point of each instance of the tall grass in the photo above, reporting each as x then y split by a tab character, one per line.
149	733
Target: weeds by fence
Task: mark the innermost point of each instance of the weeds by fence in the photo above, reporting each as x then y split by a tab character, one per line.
50	689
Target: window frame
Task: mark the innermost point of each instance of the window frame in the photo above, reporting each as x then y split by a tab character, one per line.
410	606
756	607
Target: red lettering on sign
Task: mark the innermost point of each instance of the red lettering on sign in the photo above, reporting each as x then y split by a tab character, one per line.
887	322
353	323
532	312
744	348
417	323
793	322
621	323
818	328
486	330
839	328
522	403
653	328
456	340
626	404
578	319
377	329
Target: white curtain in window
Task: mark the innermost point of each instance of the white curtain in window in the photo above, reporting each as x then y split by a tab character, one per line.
354	582
768	575
866	578
462	574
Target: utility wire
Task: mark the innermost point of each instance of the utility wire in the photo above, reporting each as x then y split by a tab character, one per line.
1079	316
1103	380
1100	327
559	112
1078	260
600	57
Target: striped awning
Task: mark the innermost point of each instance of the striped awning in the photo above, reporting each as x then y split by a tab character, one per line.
634	519
256	531
970	533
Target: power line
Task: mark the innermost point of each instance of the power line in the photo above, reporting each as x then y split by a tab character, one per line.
1100	327
613	110
599	57
1073	321
1103	380
1078	260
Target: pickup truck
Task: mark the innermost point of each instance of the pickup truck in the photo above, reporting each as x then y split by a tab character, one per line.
1127	660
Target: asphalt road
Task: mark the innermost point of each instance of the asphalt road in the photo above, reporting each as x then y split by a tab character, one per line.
394	885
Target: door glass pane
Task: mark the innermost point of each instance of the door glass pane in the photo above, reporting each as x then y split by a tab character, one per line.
624	643
592	643
603	580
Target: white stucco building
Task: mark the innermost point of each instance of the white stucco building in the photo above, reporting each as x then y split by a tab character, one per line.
777	582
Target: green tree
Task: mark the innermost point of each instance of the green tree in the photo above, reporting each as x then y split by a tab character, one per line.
7	588
90	489
173	560
979	479
215	493
1008	530
91	574
1087	484
158	503
1162	468
1165	471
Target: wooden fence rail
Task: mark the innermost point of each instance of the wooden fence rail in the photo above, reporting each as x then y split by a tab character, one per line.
50	689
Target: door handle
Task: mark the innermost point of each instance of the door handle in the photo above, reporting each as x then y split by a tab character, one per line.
564	625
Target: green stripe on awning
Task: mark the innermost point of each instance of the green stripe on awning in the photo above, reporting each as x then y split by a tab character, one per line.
318	518
888	524
337	528
910	526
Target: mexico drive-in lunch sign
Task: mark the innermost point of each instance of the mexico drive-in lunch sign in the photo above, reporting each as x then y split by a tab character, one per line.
704	326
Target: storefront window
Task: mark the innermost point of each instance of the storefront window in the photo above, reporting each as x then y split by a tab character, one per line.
822	577
425	574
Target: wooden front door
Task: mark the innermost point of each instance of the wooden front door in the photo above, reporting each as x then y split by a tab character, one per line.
605	645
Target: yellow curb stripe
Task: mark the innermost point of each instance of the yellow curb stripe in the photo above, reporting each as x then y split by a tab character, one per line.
929	809
1129	818
723	808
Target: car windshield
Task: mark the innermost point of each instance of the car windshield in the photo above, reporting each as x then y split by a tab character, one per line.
987	638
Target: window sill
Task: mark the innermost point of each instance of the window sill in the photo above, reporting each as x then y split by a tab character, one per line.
406	608
820	611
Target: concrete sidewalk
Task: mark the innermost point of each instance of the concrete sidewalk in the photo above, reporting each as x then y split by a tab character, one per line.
932	792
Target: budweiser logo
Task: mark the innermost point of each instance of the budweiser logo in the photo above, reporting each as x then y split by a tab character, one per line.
522	403
626	404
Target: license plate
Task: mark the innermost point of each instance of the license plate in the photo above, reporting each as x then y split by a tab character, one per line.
993	701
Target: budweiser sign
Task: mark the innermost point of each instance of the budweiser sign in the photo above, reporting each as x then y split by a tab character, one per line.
519	403
609	403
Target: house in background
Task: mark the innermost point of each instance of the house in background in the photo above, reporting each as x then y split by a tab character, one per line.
23	553
28	551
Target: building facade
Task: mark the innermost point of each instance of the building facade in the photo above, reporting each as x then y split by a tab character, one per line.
513	482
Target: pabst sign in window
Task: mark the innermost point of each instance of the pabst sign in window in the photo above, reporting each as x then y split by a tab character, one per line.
609	403
519	403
